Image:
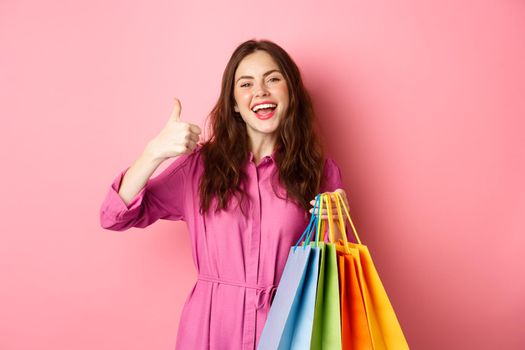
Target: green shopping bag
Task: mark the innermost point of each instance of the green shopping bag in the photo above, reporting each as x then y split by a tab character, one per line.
326	331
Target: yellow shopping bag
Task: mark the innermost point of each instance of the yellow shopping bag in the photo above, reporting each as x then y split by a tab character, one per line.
385	332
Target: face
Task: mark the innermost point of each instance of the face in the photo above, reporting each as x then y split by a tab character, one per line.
259	79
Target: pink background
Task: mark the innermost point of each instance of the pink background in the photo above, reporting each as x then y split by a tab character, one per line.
421	104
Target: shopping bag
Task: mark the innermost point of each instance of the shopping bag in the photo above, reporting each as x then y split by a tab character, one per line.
354	324
326	333
290	319
384	329
355	332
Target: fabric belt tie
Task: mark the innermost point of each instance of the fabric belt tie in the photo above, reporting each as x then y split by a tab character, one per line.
264	294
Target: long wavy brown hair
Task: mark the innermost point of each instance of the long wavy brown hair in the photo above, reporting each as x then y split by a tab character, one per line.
299	154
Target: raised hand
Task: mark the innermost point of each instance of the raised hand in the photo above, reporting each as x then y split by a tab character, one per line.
176	138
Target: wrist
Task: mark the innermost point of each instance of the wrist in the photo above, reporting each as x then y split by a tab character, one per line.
150	156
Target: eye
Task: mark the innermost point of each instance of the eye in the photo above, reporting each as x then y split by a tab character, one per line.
274	79
245	84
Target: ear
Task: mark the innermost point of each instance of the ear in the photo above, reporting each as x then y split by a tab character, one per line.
236	109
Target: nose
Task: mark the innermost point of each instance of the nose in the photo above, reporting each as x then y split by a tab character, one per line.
261	89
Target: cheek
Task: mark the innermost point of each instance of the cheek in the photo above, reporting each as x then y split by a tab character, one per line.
241	98
285	100
283	91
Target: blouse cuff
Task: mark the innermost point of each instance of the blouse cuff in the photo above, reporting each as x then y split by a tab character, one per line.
116	207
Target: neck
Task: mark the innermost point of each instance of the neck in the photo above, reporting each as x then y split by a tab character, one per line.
261	148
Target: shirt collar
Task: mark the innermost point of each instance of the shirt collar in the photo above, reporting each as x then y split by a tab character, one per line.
271	156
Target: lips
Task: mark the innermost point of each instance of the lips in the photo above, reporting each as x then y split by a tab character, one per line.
265	113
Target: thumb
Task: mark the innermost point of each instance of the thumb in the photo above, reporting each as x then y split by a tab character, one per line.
175	113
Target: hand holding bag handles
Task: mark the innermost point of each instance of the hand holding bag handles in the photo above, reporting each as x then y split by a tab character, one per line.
330	295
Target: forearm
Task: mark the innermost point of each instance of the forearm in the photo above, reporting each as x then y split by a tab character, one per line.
137	175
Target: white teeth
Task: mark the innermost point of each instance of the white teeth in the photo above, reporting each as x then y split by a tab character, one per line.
264	105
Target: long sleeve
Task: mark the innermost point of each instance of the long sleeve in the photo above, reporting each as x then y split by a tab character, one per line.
162	197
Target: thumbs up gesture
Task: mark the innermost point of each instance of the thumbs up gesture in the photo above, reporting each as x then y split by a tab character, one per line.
176	138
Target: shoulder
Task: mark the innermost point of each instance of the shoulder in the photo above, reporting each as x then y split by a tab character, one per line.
330	166
185	162
332	178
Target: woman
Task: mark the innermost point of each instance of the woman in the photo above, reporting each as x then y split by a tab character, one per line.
245	193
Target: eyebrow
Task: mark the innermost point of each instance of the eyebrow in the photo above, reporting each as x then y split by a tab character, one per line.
250	77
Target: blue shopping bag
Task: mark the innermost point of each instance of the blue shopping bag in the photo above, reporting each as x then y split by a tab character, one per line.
290	319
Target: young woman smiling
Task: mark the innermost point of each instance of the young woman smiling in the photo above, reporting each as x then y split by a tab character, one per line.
245	193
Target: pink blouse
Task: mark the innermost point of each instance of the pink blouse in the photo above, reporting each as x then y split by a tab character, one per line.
239	259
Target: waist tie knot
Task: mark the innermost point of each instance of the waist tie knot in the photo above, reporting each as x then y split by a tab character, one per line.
264	294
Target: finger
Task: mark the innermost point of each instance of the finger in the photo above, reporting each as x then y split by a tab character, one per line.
191	145
193	137
195	129
333	213
325	212
342	193
333	207
325	217
336	199
313	202
175	113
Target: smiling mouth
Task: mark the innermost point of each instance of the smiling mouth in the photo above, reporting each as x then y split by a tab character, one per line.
267	109
265	114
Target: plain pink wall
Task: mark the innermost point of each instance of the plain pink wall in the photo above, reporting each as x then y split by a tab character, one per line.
421	104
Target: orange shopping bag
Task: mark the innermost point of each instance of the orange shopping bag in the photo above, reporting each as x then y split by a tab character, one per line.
368	320
354	324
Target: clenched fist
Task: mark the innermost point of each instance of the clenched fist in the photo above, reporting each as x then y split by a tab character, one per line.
176	138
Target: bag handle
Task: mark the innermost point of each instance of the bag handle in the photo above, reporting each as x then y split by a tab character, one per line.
325	198
328	200
340	221
313	221
339	201
319	225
